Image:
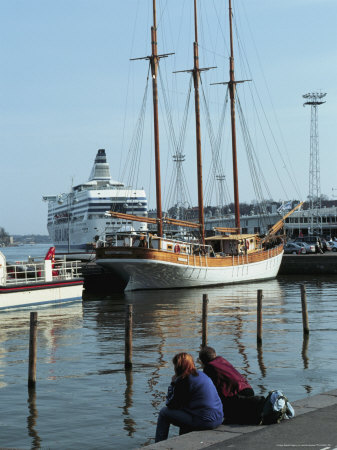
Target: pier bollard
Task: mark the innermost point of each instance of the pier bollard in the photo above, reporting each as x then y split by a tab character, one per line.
304	310
32	350
204	320
128	337
259	317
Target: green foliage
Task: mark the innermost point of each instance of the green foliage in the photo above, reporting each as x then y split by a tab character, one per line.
4	237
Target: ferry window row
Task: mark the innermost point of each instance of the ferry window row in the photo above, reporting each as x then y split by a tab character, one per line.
117	223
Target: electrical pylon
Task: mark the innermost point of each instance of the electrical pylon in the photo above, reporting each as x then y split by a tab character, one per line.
314	99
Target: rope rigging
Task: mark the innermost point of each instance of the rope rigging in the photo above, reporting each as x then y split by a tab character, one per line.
257	174
216	172
178	193
247	70
131	167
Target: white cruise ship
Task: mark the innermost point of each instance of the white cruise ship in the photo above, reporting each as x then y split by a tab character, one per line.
76	219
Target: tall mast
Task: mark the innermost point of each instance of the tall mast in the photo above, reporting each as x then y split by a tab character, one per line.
232	88
154	70
154	62
196	77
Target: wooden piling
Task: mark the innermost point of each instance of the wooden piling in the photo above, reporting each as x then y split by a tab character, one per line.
204	320
32	350
304	310
259	317
128	337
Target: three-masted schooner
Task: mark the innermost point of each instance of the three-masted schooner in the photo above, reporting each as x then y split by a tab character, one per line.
156	262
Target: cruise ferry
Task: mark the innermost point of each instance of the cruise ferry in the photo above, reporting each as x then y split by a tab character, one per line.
76	220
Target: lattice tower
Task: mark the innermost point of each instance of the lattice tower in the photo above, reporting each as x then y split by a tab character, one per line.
314	100
179	196
221	193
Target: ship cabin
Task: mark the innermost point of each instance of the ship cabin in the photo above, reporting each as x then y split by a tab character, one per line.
234	244
152	241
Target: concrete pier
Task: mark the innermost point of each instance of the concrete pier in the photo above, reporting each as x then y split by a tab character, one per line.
309	264
97	280
314	426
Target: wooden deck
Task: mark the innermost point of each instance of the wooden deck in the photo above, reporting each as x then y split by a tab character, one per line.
184	258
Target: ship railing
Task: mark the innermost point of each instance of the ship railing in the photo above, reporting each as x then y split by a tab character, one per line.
67	269
25	273
22	273
148	240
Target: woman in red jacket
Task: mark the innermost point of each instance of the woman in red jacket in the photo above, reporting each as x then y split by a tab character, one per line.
237	396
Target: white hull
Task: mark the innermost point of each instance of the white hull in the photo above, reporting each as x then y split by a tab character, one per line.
42	296
152	274
39	282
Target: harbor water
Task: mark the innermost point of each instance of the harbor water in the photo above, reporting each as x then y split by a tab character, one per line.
85	399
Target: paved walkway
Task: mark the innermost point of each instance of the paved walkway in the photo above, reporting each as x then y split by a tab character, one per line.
314	427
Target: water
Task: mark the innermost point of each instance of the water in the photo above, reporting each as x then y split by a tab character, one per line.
84	398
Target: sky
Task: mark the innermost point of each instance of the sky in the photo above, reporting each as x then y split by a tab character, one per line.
68	88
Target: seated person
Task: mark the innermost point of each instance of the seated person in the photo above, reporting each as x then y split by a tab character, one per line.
192	400
237	396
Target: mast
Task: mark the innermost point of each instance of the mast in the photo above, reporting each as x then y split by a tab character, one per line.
196	77
154	62
232	88
154	70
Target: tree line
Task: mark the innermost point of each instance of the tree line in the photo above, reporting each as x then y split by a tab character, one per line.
4	237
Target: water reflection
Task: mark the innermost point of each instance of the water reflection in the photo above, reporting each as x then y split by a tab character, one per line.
158	396
262	367
305	351
88	344
238	332
129	423
308	389
31	419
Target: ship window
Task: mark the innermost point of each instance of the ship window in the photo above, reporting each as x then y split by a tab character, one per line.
169	247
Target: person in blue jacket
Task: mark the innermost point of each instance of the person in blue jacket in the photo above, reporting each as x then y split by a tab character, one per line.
192	401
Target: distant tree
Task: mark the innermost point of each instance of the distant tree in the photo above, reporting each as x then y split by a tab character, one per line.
4	237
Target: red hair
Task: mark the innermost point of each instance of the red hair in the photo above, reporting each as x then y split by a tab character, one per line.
184	365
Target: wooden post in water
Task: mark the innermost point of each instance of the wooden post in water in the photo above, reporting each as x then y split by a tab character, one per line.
304	310
32	350
259	317
128	338
204	319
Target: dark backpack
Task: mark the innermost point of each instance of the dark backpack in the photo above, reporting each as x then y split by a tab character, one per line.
276	408
243	410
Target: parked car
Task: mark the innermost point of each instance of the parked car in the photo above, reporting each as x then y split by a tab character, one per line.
312	241
294	248
310	248
333	245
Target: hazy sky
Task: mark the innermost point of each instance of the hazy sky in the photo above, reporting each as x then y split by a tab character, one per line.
67	88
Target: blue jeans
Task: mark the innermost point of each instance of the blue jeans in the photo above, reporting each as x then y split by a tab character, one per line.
182	419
